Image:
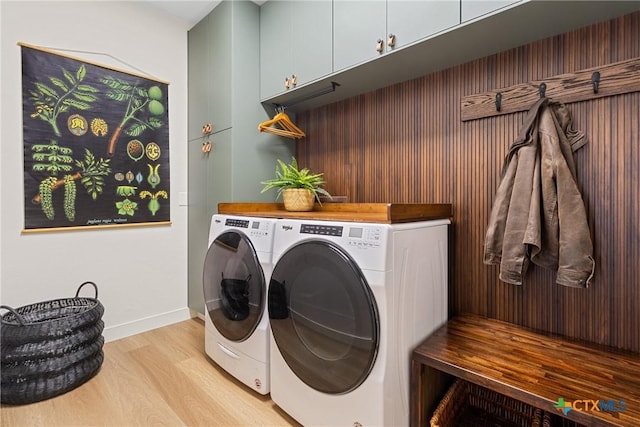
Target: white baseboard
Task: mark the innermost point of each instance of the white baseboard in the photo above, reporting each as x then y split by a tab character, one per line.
123	330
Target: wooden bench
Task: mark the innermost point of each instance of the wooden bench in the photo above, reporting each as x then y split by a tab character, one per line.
601	384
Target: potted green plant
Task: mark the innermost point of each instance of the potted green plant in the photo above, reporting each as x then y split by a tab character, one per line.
298	187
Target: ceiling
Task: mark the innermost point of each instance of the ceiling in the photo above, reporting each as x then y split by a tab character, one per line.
191	11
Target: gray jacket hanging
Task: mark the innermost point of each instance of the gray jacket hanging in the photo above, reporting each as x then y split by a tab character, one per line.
538	215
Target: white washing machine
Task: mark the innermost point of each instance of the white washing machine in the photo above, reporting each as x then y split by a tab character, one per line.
348	302
237	270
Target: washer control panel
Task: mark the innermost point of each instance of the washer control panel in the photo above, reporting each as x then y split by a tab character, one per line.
322	230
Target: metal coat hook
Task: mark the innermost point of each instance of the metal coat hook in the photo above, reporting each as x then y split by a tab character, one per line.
498	101
595	81
542	89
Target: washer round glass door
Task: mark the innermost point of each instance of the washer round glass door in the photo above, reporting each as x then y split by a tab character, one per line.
323	317
234	285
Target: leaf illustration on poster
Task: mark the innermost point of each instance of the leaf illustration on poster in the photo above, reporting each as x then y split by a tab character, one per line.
96	144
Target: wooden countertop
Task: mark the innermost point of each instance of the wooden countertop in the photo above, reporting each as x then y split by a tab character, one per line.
538	369
386	213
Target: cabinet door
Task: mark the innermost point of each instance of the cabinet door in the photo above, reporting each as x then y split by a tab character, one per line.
199	92
199	89
219	171
198	115
275	47
219	69
411	20
311	40
474	8
295	40
357	25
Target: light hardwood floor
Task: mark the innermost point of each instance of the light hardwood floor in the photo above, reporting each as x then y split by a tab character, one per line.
158	378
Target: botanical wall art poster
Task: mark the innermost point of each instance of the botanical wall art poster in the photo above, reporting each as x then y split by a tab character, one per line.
96	144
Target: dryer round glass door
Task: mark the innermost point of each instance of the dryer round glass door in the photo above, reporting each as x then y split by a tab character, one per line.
323	317
234	285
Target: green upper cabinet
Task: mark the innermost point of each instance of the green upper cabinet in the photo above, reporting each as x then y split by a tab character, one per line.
364	30
295	44
357	26
429	35
410	20
474	8
221	28
199	90
210	65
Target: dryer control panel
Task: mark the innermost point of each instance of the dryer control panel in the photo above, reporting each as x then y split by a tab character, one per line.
234	222
254	228
260	228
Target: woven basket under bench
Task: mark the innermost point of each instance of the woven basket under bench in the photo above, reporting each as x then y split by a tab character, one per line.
50	347
466	404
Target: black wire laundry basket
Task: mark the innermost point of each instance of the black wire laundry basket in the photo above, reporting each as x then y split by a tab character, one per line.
50	347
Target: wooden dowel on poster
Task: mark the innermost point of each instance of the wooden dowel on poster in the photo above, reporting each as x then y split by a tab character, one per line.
94	227
57	51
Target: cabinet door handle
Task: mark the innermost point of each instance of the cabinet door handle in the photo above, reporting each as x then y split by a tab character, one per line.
391	40
380	46
287	83
206	147
294	80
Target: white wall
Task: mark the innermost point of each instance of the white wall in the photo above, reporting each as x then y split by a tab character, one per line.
141	272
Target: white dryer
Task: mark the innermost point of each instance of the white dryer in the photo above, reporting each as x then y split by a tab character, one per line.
237	270
348	302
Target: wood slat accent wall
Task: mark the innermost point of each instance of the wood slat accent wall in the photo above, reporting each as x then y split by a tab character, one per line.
407	144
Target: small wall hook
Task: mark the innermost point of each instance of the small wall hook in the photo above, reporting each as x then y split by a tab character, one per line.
498	101
595	81
542	89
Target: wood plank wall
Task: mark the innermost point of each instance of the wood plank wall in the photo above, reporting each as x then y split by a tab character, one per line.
406	144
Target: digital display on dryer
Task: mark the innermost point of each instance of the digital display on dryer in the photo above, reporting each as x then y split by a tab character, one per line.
355	232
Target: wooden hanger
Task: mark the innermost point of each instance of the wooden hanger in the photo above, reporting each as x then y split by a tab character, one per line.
287	127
